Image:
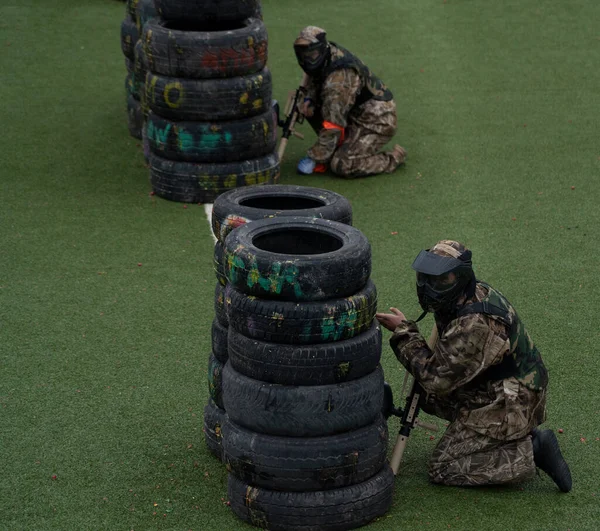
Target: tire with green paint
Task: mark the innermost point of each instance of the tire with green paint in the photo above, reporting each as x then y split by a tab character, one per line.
239	206
219	266
301	324
318	364
220	343
212	141
129	36
206	13
135	117
215	380
214	419
325	510
297	259
300	464
305	410
210	99
220	309
189	182
172	50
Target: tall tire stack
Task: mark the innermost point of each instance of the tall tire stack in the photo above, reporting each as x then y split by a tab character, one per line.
211	125
230	210
129	38
304	439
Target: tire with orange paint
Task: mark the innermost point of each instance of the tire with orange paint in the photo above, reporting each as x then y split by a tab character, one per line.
210	99
207	13
172	50
188	182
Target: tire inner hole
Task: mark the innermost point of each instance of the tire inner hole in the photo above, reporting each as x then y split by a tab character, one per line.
297	241
282	203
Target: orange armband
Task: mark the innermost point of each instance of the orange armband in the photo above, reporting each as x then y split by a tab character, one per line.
331	125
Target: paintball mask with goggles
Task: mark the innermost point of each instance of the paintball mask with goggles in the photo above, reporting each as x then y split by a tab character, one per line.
441	280
313	57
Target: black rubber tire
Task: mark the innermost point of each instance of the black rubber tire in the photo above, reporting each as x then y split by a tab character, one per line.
144	12
134	81
207	13
301	324
218	263
176	52
302	411
210	99
297	259
129	65
129	36
219	340
135	117
329	510
188	182
214	419
239	206
215	380
225	141
220	308
306	463
319	364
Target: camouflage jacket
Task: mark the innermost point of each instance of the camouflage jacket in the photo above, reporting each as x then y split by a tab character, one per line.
338	97
460	375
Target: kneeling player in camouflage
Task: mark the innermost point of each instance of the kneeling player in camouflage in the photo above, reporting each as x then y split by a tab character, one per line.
484	375
350	109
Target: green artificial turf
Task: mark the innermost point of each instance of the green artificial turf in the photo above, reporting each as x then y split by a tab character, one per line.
106	293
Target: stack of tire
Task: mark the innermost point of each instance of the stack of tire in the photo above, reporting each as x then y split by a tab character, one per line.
129	38
304	439
230	210
211	125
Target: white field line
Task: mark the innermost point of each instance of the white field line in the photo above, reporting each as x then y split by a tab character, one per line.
208	211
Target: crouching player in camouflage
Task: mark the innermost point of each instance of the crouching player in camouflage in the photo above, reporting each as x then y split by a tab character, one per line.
484	375
350	109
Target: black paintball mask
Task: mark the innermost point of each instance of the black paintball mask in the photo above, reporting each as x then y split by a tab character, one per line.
313	57
442	280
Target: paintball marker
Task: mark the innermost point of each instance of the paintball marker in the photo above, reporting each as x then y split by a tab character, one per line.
293	115
409	415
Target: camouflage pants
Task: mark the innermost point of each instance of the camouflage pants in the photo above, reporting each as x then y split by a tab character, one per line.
466	458
369	129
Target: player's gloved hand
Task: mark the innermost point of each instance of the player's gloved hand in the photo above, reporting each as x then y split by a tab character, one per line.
306	166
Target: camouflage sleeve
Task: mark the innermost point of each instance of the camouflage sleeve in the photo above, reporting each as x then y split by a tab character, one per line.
338	95
468	346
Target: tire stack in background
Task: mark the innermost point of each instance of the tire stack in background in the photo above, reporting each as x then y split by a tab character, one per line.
303	438
211	125
129	38
230	210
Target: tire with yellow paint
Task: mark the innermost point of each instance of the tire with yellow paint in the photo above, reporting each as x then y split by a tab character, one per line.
189	182
175	51
213	141
145	10
293	323
129	36
210	99
316	364
323	510
214	419
242	205
207	13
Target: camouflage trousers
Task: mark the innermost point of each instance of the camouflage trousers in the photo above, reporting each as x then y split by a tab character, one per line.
369	128
466	458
